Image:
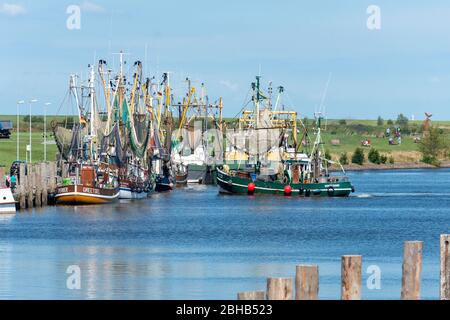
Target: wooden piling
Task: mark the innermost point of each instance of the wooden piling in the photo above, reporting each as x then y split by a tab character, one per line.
307	282
351	277
2	177
411	270
279	289
38	186
445	267
22	197
252	295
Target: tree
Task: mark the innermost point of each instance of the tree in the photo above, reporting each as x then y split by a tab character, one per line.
374	156
343	159
402	120
342	122
390	122
358	156
380	121
431	146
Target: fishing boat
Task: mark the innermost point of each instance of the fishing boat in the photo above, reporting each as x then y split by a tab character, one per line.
134	123
89	185
7	202
197	116
181	175
294	172
89	175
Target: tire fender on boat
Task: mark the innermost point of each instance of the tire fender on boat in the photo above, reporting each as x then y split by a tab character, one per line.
307	193
330	191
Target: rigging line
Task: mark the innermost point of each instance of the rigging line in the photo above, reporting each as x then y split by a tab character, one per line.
322	102
245	104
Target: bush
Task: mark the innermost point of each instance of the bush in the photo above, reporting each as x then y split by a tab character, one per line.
390	122
431	146
391	160
383	159
343	159
374	156
402	120
358	156
342	122
380	122
327	155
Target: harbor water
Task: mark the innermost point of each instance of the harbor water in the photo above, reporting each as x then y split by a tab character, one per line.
193	243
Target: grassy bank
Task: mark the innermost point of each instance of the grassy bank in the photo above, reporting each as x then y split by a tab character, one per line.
352	132
349	133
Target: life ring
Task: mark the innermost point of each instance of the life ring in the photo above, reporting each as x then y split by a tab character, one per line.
330	191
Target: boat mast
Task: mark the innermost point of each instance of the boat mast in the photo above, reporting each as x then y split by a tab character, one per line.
73	88
92	129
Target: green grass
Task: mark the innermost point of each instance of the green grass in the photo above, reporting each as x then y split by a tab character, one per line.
348	143
8	148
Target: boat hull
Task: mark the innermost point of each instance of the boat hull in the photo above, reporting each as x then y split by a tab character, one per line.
239	185
7	202
126	193
79	194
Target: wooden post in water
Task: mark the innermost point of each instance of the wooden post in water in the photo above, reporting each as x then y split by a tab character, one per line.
2	177
22	176
252	295
279	289
29	187
351	278
412	269
44	182
52	176
445	267
307	282
38	185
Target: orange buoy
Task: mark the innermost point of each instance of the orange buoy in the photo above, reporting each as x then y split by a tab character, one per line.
287	190
251	187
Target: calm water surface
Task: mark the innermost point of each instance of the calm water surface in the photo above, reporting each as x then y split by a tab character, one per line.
196	244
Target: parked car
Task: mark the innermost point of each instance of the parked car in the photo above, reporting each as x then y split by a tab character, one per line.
5	128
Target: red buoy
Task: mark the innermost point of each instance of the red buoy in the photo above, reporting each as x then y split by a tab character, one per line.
287	190
251	187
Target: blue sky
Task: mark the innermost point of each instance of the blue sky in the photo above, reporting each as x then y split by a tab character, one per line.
404	67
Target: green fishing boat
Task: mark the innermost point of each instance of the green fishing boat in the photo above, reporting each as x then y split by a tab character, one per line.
281	168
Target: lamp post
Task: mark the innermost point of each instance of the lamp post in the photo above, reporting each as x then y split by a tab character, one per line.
45	130
18	126
31	101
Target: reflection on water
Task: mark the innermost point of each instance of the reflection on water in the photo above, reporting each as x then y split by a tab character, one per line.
196	244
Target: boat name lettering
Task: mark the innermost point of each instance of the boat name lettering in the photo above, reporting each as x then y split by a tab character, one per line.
91	190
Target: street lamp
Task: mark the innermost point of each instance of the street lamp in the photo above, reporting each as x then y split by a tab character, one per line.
18	121
31	101
45	130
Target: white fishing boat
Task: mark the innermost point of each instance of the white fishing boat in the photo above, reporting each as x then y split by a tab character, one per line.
7	202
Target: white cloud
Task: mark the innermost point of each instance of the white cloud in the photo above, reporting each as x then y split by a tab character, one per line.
88	6
229	85
12	9
434	79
